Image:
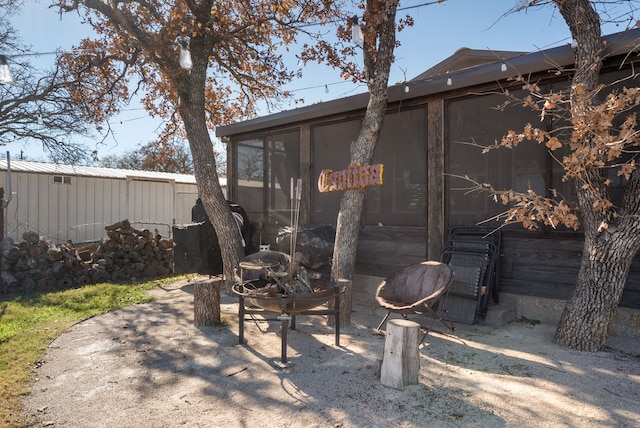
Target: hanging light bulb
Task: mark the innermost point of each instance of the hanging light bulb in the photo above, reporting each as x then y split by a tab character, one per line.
406	89
185	56
40	120
503	67
574	43
326	89
449	81
356	31
5	73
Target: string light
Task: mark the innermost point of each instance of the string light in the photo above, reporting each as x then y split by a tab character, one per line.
40	120
406	89
449	81
5	73
574	43
122	122
356	32
185	56
326	89
503	67
341	82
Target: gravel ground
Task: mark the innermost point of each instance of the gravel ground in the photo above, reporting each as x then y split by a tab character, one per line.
149	366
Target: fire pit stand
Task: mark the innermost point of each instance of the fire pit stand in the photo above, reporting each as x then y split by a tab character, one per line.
287	306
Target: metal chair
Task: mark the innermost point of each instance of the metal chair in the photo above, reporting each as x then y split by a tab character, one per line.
474	256
415	289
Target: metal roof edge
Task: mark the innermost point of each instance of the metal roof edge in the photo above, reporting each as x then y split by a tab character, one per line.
18	165
534	62
312	111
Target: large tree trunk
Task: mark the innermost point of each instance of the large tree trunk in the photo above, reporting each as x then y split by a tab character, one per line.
584	324
192	110
606	259
378	56
611	238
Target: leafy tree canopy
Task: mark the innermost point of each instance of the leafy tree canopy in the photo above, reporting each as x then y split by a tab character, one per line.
138	48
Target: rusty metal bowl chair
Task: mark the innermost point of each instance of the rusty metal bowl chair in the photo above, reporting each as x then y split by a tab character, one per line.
415	289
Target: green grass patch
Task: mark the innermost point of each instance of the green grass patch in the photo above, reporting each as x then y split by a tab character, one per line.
28	323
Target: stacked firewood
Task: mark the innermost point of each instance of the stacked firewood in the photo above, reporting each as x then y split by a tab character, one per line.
128	253
36	263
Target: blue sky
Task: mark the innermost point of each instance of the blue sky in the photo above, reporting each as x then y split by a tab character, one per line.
439	30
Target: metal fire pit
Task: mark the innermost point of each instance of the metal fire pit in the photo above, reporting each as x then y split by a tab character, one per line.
288	306
267	299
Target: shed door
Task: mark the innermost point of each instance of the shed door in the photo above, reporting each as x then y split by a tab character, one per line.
151	205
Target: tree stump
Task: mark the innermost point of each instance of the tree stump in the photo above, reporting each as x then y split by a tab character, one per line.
401	359
206	302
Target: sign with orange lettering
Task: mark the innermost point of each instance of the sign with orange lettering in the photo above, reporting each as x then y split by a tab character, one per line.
355	176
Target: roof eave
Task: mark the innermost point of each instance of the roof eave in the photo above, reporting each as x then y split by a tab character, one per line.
550	59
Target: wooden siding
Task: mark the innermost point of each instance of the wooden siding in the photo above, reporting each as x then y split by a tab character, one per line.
531	263
546	265
383	249
535	264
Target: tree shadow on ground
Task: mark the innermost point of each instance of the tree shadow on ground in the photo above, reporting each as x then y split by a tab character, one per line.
150	363
523	360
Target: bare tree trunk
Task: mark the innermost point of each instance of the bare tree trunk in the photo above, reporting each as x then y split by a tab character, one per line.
193	115
608	251
378	48
584	324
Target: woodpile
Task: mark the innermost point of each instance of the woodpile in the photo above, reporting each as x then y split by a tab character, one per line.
36	263
127	253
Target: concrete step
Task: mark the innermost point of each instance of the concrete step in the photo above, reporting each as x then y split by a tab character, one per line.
499	315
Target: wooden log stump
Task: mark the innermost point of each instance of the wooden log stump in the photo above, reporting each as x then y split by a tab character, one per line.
206	302
401	358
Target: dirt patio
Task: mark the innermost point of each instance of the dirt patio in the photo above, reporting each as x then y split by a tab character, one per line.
149	366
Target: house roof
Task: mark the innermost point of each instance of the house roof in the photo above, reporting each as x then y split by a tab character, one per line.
465	58
467	67
93	171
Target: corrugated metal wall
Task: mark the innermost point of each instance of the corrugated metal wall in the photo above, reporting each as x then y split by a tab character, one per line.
80	208
186	195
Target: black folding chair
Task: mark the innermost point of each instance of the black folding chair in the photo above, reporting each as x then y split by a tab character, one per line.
473	255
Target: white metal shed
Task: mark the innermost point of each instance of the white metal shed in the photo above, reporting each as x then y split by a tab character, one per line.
62	202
